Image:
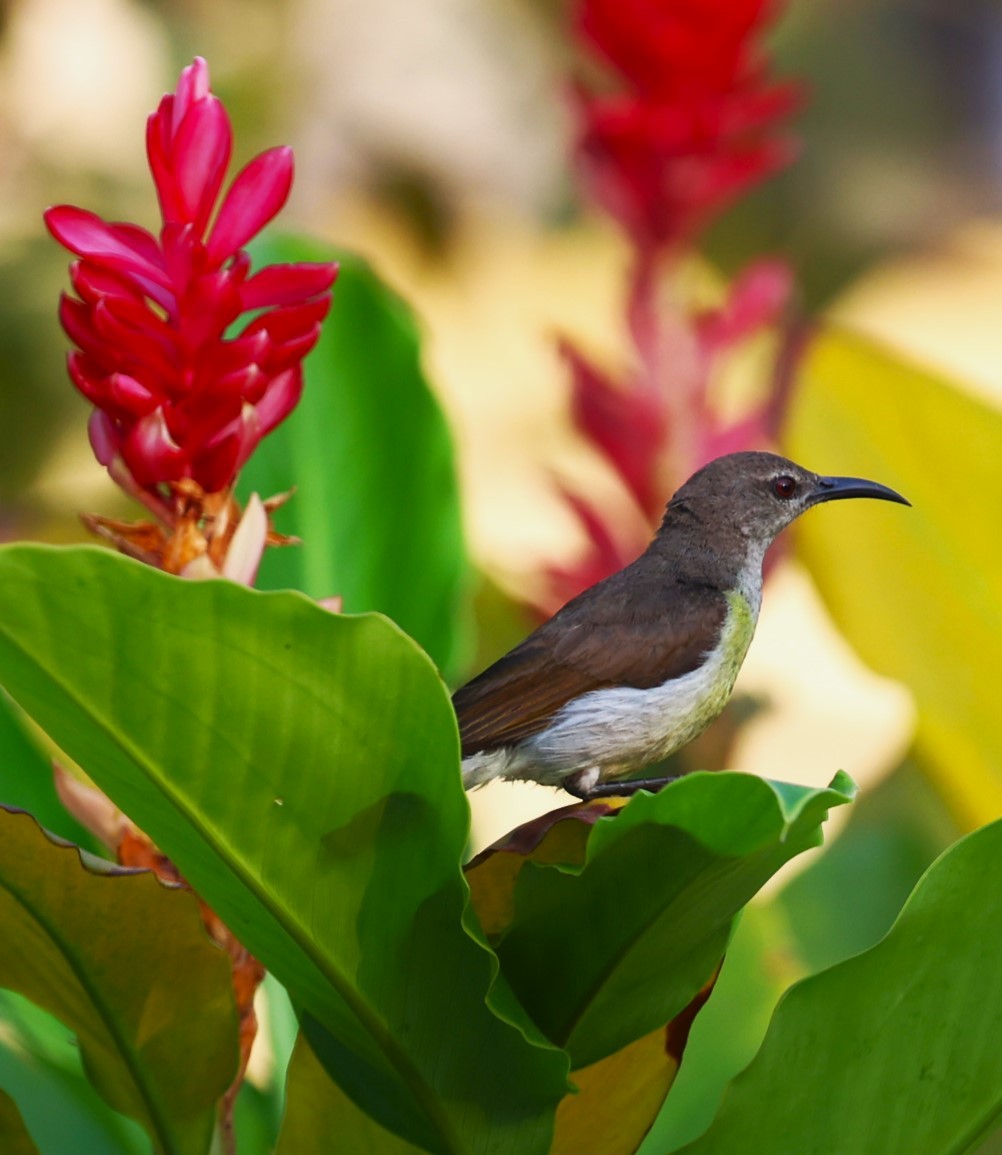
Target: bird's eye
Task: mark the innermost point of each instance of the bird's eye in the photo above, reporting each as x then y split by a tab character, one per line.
784	487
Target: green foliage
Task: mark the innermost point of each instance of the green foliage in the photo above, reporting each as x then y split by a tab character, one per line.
663	878
311	761
370	456
757	969
714	839
26	780
843	902
897	1048
41	1067
334	770
318	1109
14	1137
124	963
301	770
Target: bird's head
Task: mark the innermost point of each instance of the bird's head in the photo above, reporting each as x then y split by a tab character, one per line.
757	495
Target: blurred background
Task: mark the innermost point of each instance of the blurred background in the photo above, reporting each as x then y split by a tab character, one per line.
436	140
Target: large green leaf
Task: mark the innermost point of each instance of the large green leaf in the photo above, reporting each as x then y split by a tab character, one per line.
759	965
125	964
302	769
844	902
917	592
377	505
614	939
896	1049
609	1111
318	1113
14	1137
848	898
41	1067
26	779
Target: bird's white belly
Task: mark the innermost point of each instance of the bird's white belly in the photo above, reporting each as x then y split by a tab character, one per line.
623	729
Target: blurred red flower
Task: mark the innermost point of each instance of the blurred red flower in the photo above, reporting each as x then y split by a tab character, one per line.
174	397
688	122
692	125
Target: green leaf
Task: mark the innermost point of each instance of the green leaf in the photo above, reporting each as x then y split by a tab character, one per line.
759	965
842	903
302	770
278	1024
918	592
125	964
318	1112
376	504
26	780
40	1065
610	1111
848	898
663	880
14	1137
896	1049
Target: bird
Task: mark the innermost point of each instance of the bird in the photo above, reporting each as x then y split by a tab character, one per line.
639	664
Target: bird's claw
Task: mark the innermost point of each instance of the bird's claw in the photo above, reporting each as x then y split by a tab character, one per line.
586	786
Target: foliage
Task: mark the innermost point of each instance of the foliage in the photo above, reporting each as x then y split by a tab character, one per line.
159	1041
301	770
13	1133
315	867
896	1049
300	767
376	508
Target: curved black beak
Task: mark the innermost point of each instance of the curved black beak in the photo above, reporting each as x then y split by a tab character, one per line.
835	488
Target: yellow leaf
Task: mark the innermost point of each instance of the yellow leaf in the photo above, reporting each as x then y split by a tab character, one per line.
917	592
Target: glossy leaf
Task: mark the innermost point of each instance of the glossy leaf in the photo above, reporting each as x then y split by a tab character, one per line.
917	592
842	903
26	779
896	1049
613	937
759	965
318	1113
848	898
14	1136
125	964
302	770
376	504
610	1111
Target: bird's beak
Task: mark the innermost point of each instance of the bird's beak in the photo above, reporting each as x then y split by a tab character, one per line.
835	488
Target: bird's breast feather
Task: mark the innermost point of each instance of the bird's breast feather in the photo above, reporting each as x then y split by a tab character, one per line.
520	694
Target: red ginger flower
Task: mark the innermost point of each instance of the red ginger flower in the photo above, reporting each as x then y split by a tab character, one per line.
691	129
658	425
174	397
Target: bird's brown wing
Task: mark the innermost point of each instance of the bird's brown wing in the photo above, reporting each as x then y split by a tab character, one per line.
518	696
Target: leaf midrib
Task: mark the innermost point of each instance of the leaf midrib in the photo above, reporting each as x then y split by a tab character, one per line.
645	927
162	1131
367	1017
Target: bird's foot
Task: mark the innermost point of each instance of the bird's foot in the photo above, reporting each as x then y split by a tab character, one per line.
585	784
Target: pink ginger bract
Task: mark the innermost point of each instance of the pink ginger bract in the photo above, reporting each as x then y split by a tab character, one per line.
174	397
693	120
686	119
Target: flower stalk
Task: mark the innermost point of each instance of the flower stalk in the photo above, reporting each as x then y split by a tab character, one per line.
686	120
